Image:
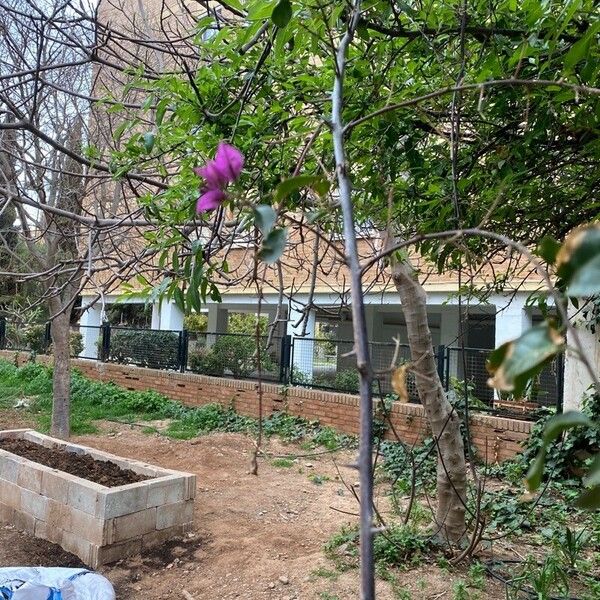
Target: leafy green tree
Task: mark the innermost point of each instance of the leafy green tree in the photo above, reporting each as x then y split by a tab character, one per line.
421	118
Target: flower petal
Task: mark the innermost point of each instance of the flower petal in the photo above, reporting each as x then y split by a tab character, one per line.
209	200
229	161
215	178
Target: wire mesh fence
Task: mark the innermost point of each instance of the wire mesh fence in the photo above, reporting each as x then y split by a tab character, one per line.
325	363
151	348
545	390
330	364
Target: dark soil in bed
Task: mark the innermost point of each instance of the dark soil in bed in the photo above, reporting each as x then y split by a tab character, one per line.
82	465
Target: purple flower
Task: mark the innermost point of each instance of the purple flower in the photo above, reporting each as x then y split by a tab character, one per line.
209	200
218	173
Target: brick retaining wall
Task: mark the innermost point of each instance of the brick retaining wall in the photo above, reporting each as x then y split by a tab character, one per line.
494	437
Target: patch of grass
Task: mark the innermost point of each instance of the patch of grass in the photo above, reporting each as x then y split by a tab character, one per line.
477	576
319	479
460	591
399	591
399	545
149	430
342	548
284	463
328	596
94	400
325	573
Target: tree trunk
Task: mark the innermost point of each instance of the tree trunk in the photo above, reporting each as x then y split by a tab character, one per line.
61	380
444	421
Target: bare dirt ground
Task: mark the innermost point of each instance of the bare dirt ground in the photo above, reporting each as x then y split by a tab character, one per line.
255	536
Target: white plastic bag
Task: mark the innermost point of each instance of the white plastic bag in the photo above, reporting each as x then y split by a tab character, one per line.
56	583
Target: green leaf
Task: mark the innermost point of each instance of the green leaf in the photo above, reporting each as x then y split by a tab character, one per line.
260	10
536	470
582	246
215	294
514	363
119	130
579	50
559	423
161	109
548	249
586	280
179	299
288	186
273	246
149	142
593	477
282	13
264	218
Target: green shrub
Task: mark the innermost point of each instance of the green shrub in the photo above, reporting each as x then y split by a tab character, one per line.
342	547
76	343
145	348
398	544
237	354
230	354
206	362
343	381
196	322
347	380
34	337
246	323
567	459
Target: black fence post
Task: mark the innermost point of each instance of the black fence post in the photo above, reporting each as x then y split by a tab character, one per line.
47	336
285	356
2	333
441	365
182	357
105	349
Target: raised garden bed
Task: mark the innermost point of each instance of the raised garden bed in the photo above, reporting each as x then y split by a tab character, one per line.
98	506
85	466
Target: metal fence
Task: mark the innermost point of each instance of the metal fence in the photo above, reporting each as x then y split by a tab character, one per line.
330	364
544	390
311	362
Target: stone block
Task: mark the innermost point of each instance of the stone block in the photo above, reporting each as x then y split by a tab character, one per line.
41	439
79	546
167	490
170	515
84	495
158	537
133	525
6	513
114	552
23	521
10	494
34	504
55	486
58	514
13	433
10	466
30	479
96	531
123	500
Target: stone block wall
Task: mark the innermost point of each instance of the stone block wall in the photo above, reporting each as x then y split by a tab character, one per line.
96	523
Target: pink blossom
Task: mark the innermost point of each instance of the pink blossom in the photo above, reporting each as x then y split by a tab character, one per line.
209	200
218	173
